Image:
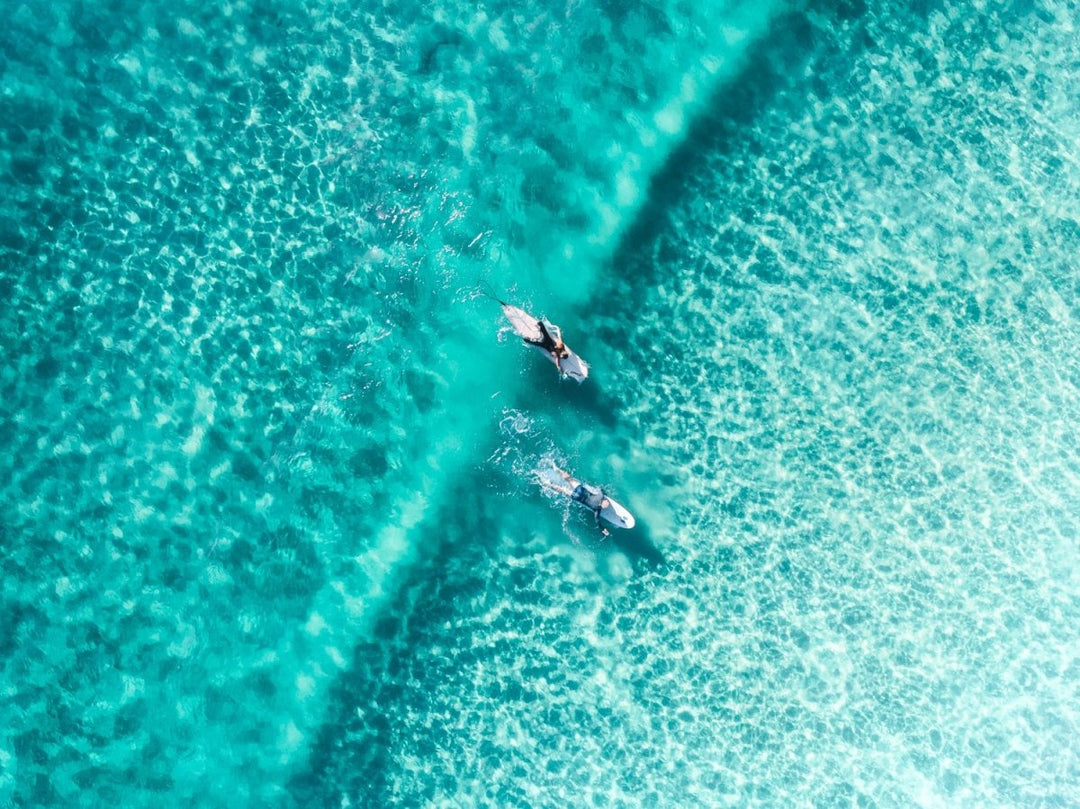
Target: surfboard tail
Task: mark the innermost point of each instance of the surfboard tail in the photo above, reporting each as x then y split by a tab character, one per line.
524	325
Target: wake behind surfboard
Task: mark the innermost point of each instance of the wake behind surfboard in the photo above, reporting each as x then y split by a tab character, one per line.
527	328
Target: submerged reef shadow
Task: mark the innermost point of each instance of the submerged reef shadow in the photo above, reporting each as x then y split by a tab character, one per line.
637	544
353	752
777	63
382	664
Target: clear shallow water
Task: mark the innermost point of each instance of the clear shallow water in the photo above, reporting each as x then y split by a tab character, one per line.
264	533
238	245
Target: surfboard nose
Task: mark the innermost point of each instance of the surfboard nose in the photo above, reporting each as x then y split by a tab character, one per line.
618	516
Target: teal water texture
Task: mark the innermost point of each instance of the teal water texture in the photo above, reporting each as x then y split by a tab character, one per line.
269	532
243	369
836	370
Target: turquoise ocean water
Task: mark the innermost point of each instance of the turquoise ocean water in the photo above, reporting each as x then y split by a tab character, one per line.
269	529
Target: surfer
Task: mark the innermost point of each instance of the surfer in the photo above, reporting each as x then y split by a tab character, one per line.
550	341
546	338
592	497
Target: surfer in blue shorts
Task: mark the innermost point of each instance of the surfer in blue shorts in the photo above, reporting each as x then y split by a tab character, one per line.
592	497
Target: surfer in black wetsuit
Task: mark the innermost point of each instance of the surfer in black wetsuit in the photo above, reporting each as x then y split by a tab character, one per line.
551	341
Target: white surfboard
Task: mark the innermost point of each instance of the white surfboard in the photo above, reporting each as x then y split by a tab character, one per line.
527	327
615	514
